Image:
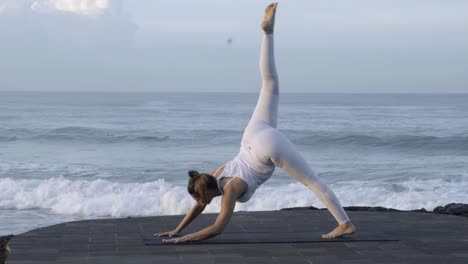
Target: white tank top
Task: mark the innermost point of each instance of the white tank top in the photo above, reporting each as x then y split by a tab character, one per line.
249	168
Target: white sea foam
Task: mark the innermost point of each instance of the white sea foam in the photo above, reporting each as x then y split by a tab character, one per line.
105	198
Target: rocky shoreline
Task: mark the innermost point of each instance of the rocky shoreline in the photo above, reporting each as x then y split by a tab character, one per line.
451	208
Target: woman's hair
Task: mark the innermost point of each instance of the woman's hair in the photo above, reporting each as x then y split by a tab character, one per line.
200	183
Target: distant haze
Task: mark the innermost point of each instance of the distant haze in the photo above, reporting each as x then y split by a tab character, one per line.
212	46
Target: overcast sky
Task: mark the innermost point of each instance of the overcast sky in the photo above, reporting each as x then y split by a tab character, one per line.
175	45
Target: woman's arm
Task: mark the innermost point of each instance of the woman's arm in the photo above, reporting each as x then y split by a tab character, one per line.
196	210
228	204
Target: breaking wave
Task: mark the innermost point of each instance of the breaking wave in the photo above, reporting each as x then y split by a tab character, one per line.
97	198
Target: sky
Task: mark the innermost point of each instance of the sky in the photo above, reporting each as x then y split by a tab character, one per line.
359	46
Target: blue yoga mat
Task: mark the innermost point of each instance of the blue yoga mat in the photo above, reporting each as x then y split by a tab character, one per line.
284	237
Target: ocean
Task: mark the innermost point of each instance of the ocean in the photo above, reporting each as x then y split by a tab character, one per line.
74	156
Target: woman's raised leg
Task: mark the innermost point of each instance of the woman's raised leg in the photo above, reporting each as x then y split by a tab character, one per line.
266	109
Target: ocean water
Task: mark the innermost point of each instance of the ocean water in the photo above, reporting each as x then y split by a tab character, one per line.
72	156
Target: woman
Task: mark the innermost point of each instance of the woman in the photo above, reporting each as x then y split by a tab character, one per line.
262	148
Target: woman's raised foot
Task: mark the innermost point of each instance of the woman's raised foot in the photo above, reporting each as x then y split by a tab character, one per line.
268	23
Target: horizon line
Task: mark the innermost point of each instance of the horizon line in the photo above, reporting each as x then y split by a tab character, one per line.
225	92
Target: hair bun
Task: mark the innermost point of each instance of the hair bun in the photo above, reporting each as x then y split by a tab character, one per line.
193	173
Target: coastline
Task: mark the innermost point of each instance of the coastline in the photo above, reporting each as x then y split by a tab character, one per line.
459	209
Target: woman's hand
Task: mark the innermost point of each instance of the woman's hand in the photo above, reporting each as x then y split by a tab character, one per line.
168	234
176	240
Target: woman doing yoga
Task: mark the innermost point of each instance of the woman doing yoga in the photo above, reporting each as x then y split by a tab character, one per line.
263	147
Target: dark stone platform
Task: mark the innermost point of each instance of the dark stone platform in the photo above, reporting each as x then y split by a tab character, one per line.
422	238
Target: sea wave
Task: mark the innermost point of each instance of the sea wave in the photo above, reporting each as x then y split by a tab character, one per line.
106	136
101	197
407	141
404	141
78	133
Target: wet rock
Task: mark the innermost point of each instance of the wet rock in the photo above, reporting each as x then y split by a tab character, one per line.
453	209
300	208
4	249
370	209
422	210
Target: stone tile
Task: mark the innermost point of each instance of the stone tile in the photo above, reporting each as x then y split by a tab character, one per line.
424	238
291	260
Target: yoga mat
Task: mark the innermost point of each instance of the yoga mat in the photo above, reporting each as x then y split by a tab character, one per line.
284	237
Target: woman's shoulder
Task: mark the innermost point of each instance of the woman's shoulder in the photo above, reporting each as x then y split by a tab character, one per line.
218	172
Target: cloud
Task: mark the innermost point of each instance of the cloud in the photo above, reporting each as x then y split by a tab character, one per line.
78	7
81	7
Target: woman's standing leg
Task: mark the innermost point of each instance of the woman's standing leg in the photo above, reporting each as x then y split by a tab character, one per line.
284	155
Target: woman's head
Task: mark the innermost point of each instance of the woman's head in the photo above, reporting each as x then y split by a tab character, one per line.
202	186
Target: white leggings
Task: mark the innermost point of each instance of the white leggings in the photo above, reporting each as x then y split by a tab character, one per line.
270	145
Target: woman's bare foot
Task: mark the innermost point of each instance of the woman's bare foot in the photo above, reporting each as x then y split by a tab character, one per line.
341	230
268	23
